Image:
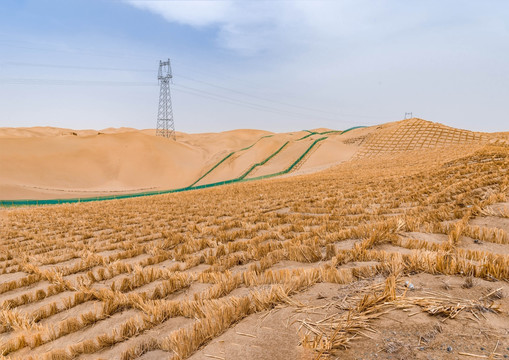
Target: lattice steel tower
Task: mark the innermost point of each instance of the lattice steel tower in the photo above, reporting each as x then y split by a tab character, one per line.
165	124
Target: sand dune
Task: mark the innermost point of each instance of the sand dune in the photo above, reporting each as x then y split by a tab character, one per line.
96	163
47	162
237	164
413	134
283	159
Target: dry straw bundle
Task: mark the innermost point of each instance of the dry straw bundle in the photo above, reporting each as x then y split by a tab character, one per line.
339	330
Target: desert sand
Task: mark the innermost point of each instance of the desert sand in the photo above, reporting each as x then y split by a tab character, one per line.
387	242
52	163
44	163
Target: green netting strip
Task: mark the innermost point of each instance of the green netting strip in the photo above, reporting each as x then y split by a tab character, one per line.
290	168
286	171
253	144
311	133
213	167
262	162
226	157
330	132
352	128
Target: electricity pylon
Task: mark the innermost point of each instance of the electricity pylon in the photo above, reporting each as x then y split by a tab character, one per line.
165	125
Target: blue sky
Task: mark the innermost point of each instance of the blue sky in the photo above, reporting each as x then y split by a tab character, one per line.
276	65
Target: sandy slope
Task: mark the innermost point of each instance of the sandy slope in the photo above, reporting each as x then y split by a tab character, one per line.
46	162
283	159
240	162
96	163
57	163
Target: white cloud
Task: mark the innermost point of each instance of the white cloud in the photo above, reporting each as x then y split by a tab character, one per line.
194	13
252	27
361	56
246	27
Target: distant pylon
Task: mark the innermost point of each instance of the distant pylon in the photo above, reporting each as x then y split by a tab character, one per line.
165	125
408	115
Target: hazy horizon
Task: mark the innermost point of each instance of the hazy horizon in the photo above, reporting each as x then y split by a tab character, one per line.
203	132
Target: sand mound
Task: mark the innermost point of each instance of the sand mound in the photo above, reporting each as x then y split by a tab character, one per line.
108	162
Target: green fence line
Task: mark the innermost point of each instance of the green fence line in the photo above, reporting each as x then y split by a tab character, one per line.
290	168
226	157
237	180
329	132
8	203
306	136
263	162
253	144
352	128
213	167
311	133
248	171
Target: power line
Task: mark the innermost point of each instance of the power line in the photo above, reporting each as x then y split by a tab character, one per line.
67	82
245	102
74	67
188	90
205	94
239	104
274	101
235	91
133	56
178	87
253	96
